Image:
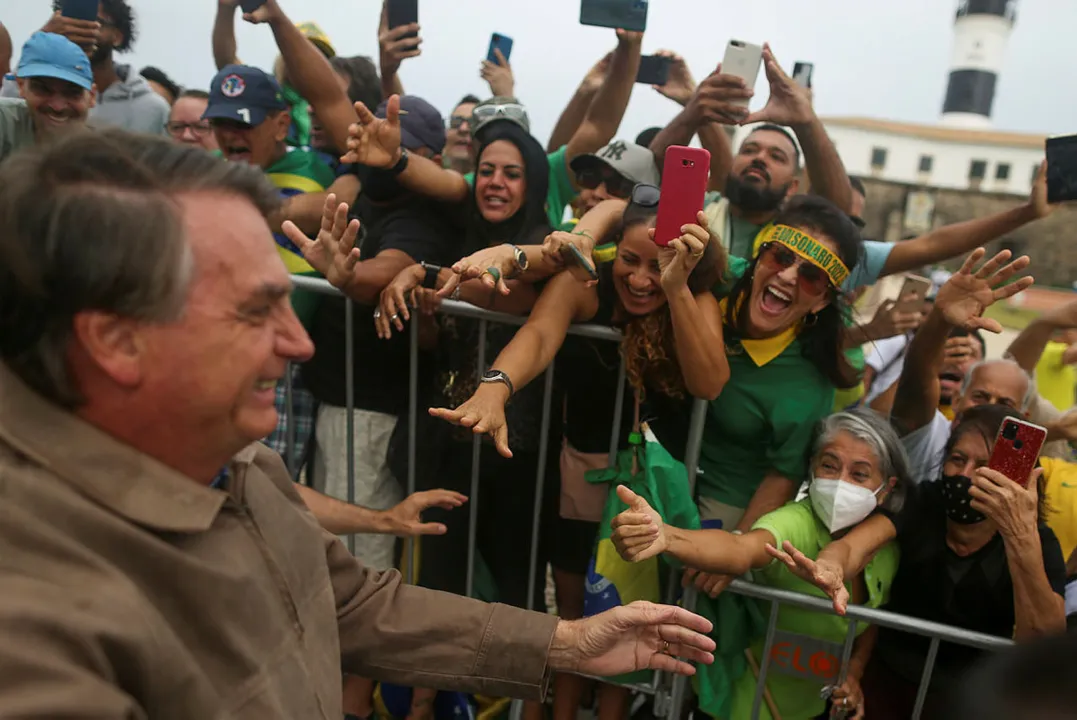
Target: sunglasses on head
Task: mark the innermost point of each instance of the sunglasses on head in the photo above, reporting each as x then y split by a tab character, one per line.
645	196
617	184
812	279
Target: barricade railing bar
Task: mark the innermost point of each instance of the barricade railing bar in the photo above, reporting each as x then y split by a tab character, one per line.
669	695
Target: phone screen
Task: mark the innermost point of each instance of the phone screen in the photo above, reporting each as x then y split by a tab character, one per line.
1062	169
80	9
624	14
250	6
653	70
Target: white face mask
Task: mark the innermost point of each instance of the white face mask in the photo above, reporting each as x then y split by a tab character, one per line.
840	504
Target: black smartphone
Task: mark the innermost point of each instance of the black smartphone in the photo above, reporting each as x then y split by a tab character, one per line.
574	259
1062	168
250	6
654	70
802	73
79	9
403	12
623	14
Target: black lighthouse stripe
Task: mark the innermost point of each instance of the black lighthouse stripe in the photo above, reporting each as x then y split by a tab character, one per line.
970	91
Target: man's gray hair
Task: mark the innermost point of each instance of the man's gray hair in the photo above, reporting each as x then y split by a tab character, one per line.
1030	387
872	428
90	223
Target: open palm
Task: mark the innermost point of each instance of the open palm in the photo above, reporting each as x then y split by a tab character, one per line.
374	141
965	296
333	252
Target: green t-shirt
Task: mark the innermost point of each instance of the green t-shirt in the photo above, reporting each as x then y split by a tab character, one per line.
763	420
798	698
741	242
16	126
560	193
297	172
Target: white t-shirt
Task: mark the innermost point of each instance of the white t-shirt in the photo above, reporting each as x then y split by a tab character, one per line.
925	448
887	358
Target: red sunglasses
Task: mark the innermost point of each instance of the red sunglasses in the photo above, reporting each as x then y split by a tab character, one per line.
812	279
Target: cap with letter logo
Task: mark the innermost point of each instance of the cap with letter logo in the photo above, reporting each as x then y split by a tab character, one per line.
244	94
625	158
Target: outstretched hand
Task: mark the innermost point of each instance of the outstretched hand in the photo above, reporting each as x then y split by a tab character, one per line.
333	252
374	141
828	577
639	636
964	297
638	532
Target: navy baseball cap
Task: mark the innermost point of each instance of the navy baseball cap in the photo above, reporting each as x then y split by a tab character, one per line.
421	125
244	94
54	56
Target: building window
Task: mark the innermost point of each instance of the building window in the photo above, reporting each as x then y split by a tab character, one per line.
878	158
926	162
1002	171
977	170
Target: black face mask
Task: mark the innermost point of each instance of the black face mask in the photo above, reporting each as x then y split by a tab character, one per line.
955	500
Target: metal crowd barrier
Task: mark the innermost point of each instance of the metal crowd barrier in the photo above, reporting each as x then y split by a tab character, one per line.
670	694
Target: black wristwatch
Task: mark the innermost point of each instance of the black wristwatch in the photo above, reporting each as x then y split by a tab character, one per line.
496	376
430	281
520	258
401	164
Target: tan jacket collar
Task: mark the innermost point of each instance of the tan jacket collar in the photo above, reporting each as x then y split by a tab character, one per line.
126	481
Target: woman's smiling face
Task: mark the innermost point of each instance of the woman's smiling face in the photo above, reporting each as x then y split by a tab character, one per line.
500	182
780	298
636	275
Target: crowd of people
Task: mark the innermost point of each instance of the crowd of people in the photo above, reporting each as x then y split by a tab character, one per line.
175	416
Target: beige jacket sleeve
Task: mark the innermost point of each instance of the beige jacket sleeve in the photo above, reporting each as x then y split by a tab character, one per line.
414	636
1042	412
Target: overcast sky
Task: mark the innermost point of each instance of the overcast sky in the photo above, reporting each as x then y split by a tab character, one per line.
885	59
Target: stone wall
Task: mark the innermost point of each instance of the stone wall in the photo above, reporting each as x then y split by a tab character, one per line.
1051	243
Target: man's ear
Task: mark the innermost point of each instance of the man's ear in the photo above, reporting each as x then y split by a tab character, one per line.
112	343
284	124
794	188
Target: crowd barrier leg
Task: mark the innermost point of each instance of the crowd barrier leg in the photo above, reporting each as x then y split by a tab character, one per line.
679	689
413	432
764	662
540	482
349	388
925	679
846	653
618	411
289	423
473	498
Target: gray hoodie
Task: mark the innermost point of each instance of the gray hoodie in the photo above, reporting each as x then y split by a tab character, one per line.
130	104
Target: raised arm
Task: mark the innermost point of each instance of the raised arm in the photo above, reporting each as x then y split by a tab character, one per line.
564	301
224	34
950	241
572	116
639	533
791	104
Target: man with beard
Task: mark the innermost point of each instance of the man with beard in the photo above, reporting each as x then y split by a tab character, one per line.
458	138
56	85
124	99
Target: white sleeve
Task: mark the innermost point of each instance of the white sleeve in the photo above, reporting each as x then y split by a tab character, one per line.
884	351
925	447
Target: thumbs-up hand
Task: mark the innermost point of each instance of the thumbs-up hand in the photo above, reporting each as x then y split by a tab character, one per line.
638	533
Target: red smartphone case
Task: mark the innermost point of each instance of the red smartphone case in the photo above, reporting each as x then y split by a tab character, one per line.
1017	447
685	174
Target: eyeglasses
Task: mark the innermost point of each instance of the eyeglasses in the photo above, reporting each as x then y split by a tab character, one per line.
176	129
457	121
617	184
645	196
812	279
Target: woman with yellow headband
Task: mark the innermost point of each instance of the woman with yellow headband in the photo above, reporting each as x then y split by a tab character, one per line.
782	315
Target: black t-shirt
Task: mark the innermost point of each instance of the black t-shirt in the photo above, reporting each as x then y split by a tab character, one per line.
415	226
588	372
933	583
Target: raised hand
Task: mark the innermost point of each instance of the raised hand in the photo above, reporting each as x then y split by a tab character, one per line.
965	296
333	252
720	98
484	413
374	141
677	260
1012	507
638	532
889	321
828	577
1037	199
268	12
405	518
393	47
499	76
81	32
680	85
789	103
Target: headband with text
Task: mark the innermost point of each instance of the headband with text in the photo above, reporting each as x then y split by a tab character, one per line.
808	248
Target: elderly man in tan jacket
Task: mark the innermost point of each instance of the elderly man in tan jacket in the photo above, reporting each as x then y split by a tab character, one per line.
155	560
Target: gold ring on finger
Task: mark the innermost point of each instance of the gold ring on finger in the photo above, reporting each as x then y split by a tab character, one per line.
665	647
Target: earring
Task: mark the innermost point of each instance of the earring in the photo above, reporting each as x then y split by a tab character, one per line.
810	319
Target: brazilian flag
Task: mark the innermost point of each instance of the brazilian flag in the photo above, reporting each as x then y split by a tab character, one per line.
297	172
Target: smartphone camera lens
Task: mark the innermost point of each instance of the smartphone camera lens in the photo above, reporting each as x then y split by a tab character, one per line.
1017	444
1010	431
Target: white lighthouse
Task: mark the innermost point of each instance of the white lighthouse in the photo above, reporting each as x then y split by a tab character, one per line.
981	31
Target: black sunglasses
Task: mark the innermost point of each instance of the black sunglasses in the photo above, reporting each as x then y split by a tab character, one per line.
617	184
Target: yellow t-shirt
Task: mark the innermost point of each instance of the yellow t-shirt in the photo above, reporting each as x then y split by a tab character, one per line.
1054	380
1061	493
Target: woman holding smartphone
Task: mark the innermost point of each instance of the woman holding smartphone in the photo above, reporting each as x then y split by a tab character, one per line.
858	467
661	300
